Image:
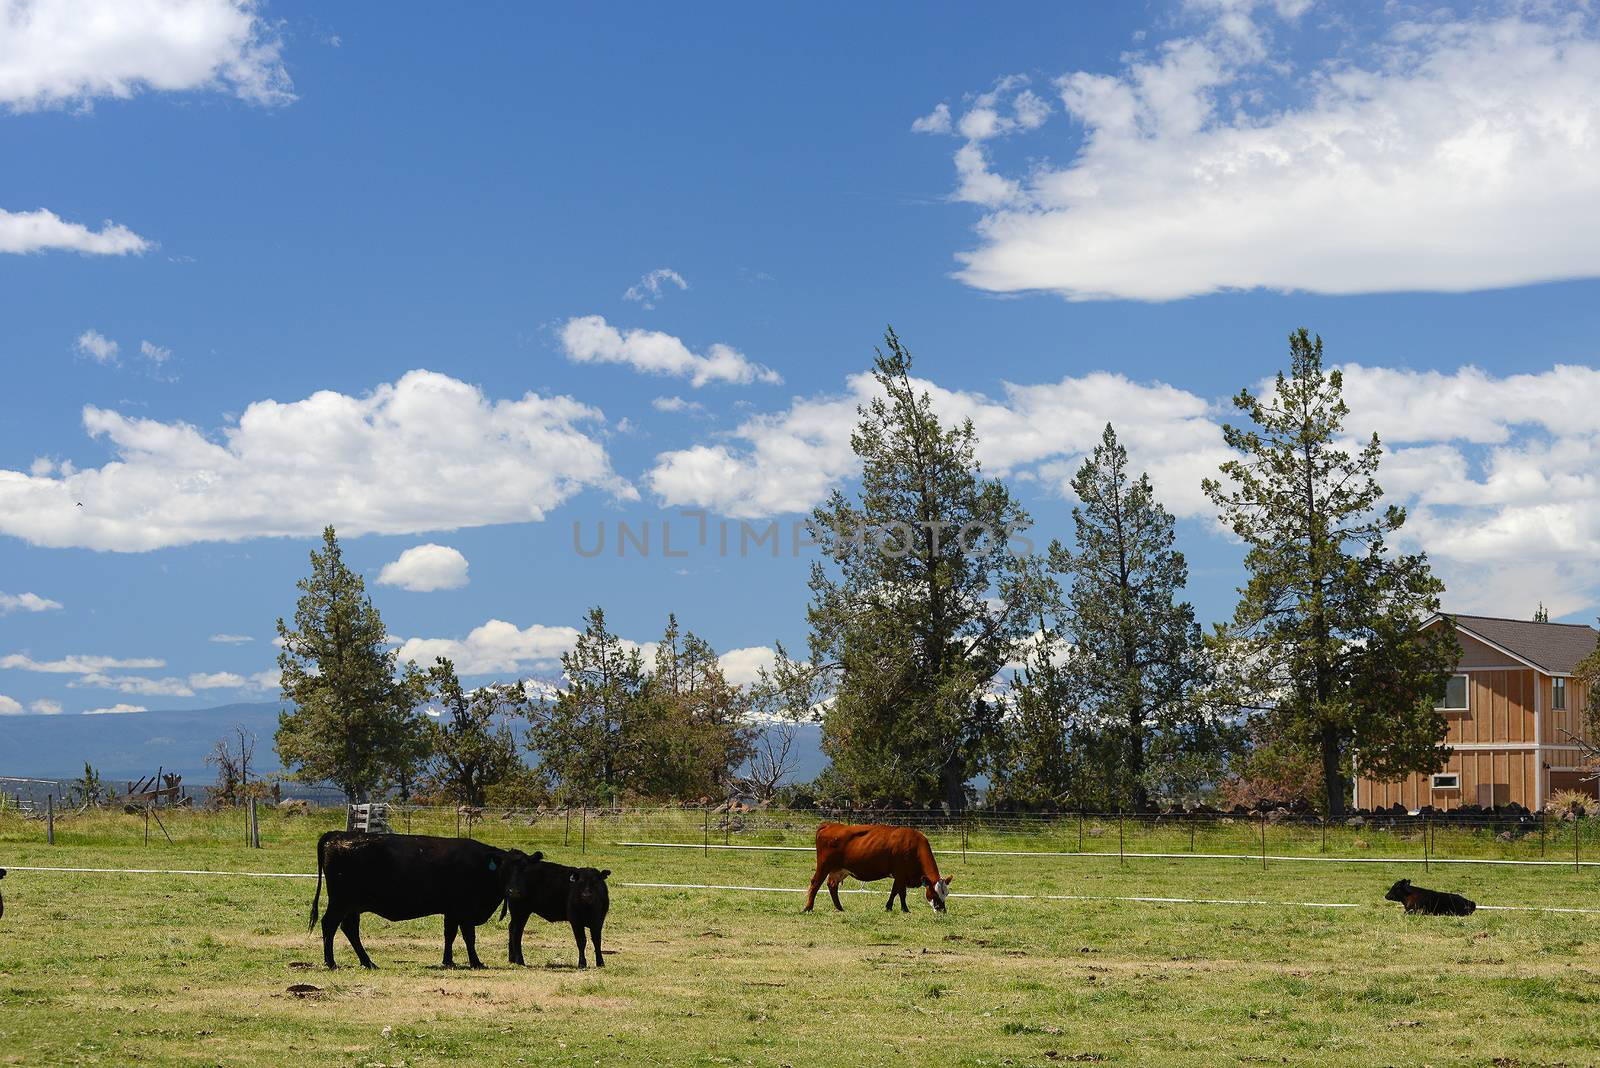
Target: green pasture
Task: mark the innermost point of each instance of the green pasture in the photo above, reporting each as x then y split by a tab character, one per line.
122	969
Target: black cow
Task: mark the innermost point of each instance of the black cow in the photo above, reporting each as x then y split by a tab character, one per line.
556	892
404	876
1429	902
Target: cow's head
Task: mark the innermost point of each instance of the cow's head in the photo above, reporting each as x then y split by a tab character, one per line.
512	865
1398	891
589	885
938	890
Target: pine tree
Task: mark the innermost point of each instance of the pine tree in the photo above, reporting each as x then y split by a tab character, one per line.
471	743
925	601
1324	639
1138	661
692	732
353	721
584	737
1036	762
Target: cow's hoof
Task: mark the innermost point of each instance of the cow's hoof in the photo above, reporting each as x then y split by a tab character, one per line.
449	964
583	964
477	965
599	964
369	966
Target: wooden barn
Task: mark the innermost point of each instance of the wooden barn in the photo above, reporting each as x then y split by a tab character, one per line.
1510	706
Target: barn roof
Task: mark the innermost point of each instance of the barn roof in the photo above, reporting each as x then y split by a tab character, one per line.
1552	647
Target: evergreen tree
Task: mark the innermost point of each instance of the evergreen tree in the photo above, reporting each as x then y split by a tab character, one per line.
1324	638
692	731
1036	759
353	720
471	743
925	601
584	737
1138	660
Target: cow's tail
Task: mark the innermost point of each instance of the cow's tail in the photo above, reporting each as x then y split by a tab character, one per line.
322	844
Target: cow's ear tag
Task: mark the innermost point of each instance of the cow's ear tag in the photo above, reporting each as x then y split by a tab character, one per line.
491	864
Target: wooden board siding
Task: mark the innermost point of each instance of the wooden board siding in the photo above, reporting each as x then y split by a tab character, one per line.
1475	654
1570	720
1500	708
1506	775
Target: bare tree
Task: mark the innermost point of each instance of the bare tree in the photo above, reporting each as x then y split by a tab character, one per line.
231	757
785	696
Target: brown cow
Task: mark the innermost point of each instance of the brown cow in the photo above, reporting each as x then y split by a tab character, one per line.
870	851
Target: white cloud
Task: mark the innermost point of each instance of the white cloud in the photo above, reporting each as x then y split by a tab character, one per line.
742	667
44	706
936	121
428	452
675	404
134	684
218	680
424	568
154	353
590	339
115	710
230	639
44	231
648	290
9	706
77	664
496	647
26	602
266	680
1448	155
97	347
65	52
788	461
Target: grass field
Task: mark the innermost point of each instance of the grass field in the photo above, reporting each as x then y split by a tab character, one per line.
170	969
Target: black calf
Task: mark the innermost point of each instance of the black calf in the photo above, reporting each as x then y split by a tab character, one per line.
556	892
1429	902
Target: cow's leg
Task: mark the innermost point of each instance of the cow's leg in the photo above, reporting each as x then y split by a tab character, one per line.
469	935
352	931
449	941
517	923
577	933
833	889
903	906
894	888
816	884
330	924
594	934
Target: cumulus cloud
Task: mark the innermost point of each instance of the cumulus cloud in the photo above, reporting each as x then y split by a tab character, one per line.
10	706
590	339
496	647
71	52
115	710
44	706
742	667
96	346
424	568
648	290
787	462
1449	154
428	452
156	354
675	404
45	231
230	639
26	602
133	684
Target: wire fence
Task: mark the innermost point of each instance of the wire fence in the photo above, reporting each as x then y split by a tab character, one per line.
1264	838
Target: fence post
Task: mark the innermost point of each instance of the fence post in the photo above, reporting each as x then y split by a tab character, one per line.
1324	833
1263	841
255	826
583	830
1577	832
705	831
566	833
1080	830
1191	832
1122	856
147	825
50	819
1541	833
1427	839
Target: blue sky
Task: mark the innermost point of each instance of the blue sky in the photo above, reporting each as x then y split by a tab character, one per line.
370	267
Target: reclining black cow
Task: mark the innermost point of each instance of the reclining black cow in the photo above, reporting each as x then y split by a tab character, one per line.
1429	902
404	876
556	892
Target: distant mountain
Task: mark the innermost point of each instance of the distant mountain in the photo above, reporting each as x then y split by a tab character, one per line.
135	744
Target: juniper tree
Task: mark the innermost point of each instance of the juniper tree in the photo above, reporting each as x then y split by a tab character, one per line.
924	601
1138	661
1325	638
691	732
353	720
471	745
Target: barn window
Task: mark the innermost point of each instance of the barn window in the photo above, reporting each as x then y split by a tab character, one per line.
1558	694
1449	781
1455	695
